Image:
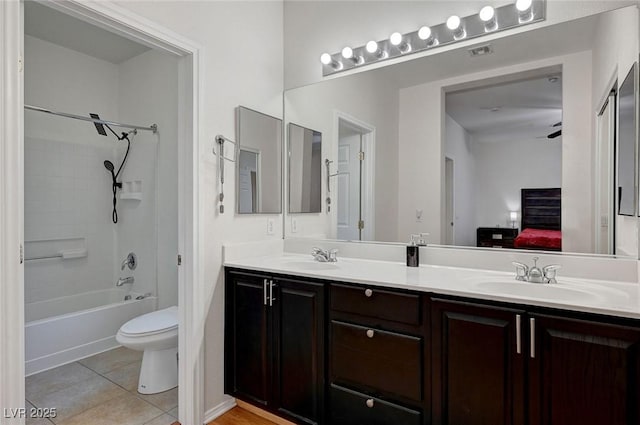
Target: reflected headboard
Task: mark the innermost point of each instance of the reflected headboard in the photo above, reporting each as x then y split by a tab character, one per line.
541	209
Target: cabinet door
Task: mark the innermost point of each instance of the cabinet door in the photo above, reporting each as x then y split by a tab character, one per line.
247	338
298	312
478	364
583	372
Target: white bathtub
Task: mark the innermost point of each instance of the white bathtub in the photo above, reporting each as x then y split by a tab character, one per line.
63	330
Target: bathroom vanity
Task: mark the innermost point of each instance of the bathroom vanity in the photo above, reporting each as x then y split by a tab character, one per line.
436	345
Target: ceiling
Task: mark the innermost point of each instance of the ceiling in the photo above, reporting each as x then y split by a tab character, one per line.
58	28
523	109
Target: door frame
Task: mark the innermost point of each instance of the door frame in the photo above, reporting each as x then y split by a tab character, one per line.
191	286
368	181
452	187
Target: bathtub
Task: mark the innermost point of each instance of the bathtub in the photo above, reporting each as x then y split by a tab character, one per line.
63	330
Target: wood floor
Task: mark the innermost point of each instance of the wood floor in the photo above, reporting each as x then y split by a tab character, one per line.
238	416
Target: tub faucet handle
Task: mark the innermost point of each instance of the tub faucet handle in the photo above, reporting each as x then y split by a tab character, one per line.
131	261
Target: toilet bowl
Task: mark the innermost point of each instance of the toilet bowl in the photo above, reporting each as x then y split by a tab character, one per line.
156	334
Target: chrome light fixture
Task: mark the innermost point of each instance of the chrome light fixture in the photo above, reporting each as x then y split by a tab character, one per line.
454	23
456	29
396	39
347	53
425	34
488	16
327	60
374	48
525	10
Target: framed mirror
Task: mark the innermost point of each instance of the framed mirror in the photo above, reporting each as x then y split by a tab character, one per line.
305	169
259	167
626	146
475	150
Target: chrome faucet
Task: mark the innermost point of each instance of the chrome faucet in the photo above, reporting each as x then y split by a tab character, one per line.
534	274
325	256
123	280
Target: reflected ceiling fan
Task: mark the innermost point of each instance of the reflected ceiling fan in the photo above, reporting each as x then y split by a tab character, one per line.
556	133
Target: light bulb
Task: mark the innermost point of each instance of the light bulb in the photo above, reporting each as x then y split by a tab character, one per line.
372	46
523	5
325	58
453	22
347	53
424	33
487	13
395	38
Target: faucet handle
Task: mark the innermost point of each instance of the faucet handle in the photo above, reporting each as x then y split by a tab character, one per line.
550	272
333	255
522	270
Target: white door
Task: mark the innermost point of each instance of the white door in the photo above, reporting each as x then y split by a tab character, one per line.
605	218
349	187
449	207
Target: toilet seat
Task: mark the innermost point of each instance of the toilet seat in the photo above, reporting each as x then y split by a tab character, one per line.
153	323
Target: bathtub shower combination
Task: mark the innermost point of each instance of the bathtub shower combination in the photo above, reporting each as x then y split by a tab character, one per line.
63	330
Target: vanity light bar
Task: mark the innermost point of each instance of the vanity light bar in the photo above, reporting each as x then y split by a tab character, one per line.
487	20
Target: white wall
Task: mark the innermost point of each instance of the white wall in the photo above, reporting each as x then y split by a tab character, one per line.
614	52
503	168
314	27
67	188
421	159
148	94
246	69
459	148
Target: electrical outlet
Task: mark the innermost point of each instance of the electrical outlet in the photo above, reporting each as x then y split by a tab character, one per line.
418	216
294	225
270	226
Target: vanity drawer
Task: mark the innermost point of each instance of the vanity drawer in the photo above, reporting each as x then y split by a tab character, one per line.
373	302
351	407
380	360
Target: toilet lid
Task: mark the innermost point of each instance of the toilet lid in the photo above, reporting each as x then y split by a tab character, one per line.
157	321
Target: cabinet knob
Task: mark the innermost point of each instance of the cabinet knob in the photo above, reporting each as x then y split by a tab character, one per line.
370	333
368	292
369	403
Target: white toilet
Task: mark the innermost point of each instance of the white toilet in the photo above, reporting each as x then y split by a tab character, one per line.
156	334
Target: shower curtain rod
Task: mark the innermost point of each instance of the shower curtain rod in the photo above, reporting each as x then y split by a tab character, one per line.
153	128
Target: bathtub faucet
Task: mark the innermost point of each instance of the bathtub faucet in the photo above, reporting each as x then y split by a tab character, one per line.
124	280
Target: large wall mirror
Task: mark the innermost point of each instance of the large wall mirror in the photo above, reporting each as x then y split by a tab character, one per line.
497	151
305	169
259	163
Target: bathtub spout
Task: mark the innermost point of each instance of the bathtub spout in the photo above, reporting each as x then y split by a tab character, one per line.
123	280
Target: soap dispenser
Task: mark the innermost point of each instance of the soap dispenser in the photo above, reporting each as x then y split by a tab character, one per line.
413	252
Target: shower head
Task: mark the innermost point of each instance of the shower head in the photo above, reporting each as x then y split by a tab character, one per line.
99	127
109	166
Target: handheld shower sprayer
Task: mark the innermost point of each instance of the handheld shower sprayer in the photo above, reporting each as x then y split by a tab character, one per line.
115	185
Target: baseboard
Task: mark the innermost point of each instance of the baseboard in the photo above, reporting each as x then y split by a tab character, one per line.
220	409
263	413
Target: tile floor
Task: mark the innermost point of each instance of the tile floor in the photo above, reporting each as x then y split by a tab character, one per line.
99	390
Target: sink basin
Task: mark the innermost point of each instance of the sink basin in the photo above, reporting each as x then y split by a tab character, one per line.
311	265
551	292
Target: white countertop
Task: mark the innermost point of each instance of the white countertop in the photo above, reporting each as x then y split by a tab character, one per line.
591	296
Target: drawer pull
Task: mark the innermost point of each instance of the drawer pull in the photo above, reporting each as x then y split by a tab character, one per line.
370	333
369	403
368	293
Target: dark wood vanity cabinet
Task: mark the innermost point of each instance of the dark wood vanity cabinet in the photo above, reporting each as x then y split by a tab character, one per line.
378	363
478	364
275	344
583	372
397	357
495	365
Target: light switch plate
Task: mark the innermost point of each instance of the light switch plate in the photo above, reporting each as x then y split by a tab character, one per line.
270	226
